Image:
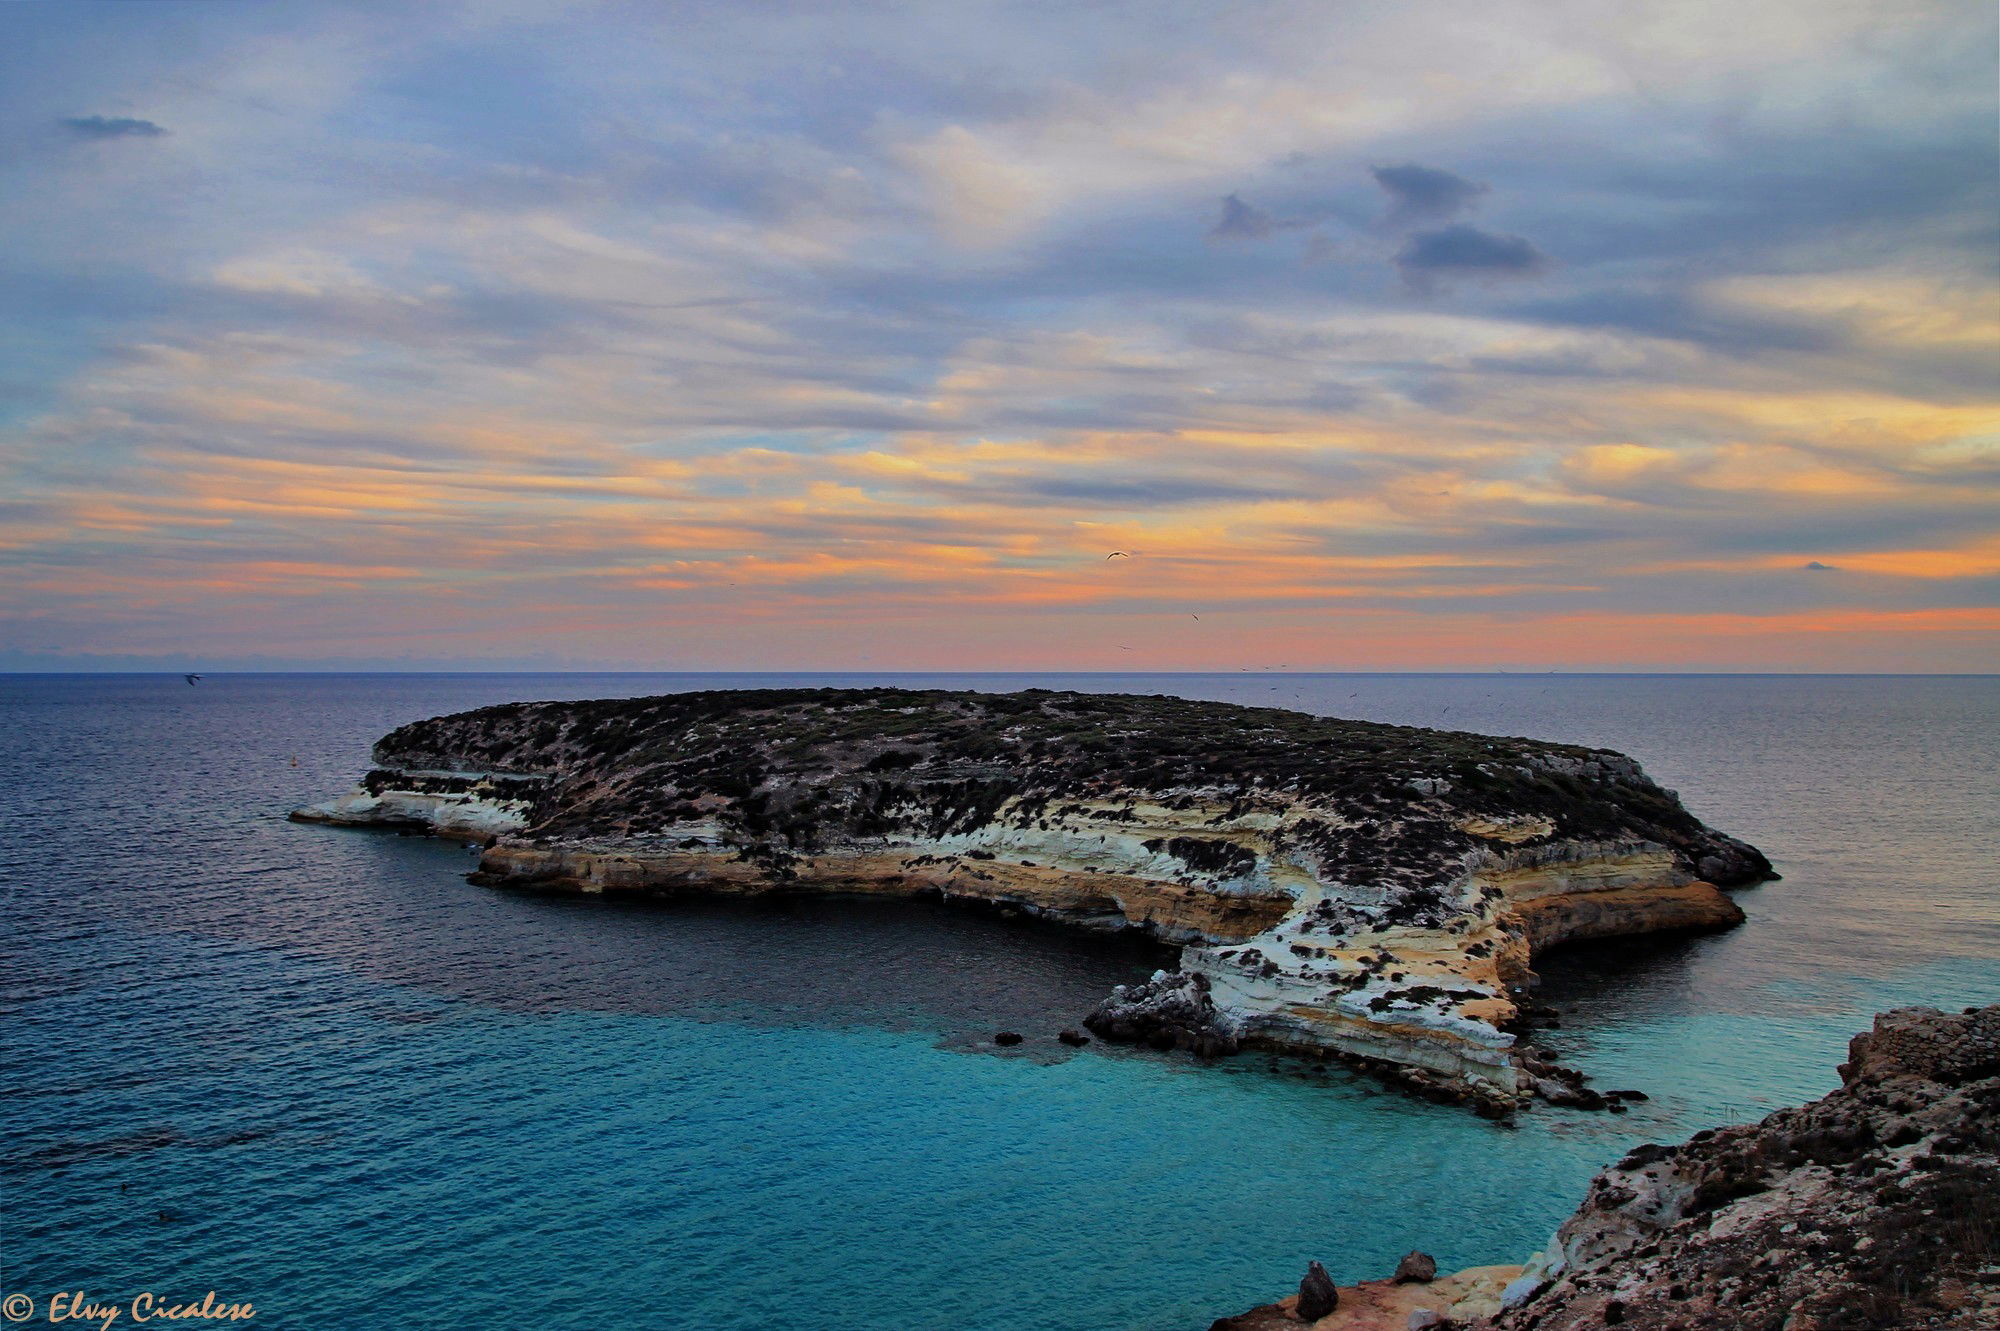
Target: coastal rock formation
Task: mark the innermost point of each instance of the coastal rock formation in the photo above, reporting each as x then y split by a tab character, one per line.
1875	1207
1341	887
1173	1010
1416	1268
1318	1295
1457	1300
475	805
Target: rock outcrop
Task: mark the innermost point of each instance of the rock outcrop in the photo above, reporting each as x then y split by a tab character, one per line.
1416	1268
1318	1295
1341	887
1173	1010
1877	1206
1456	1300
1874	1208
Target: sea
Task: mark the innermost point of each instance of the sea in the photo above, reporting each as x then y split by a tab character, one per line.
315	1071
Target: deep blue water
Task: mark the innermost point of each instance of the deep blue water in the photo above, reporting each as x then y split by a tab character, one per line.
314	1069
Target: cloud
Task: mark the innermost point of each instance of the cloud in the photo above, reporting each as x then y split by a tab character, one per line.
979	192
1241	221
1426	193
111	127
803	336
1461	251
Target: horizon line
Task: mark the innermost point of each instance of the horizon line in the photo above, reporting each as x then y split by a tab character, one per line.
1262	672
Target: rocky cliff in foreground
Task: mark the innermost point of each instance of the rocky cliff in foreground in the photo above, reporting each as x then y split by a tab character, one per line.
1373	891
1876	1208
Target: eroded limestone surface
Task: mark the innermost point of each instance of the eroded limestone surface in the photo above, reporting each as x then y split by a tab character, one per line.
1340	886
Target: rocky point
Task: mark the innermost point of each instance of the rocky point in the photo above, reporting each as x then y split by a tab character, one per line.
1876	1208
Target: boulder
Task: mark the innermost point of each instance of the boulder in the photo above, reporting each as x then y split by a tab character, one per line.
1417	1268
1173	1010
1318	1295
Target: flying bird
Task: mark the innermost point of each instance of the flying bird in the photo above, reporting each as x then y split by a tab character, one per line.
191	679
1119	554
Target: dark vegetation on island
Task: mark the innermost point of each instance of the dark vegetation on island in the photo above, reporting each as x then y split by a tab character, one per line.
787	772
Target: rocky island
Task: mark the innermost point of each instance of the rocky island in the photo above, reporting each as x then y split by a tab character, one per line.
1340	887
1876	1208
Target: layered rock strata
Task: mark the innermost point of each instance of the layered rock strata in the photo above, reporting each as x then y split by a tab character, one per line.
1373	891
1875	1207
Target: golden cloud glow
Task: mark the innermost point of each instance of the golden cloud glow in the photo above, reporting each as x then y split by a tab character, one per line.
777	358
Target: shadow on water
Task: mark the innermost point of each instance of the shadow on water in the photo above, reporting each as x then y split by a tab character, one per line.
406	916
1608	980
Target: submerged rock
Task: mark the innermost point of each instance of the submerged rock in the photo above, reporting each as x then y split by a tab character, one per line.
1372	891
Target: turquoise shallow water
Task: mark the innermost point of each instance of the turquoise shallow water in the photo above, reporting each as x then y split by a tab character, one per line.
315	1069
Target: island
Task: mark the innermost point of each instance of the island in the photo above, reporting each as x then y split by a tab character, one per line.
1338	888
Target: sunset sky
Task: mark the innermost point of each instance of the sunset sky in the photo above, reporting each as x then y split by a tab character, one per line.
762	336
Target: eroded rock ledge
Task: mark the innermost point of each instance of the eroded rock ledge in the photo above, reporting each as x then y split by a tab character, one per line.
1342	887
1876	1207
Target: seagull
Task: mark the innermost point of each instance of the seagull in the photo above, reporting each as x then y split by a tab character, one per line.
191	679
1197	617
1118	554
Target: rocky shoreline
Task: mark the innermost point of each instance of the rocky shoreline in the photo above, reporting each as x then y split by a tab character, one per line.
1340	888
1875	1208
